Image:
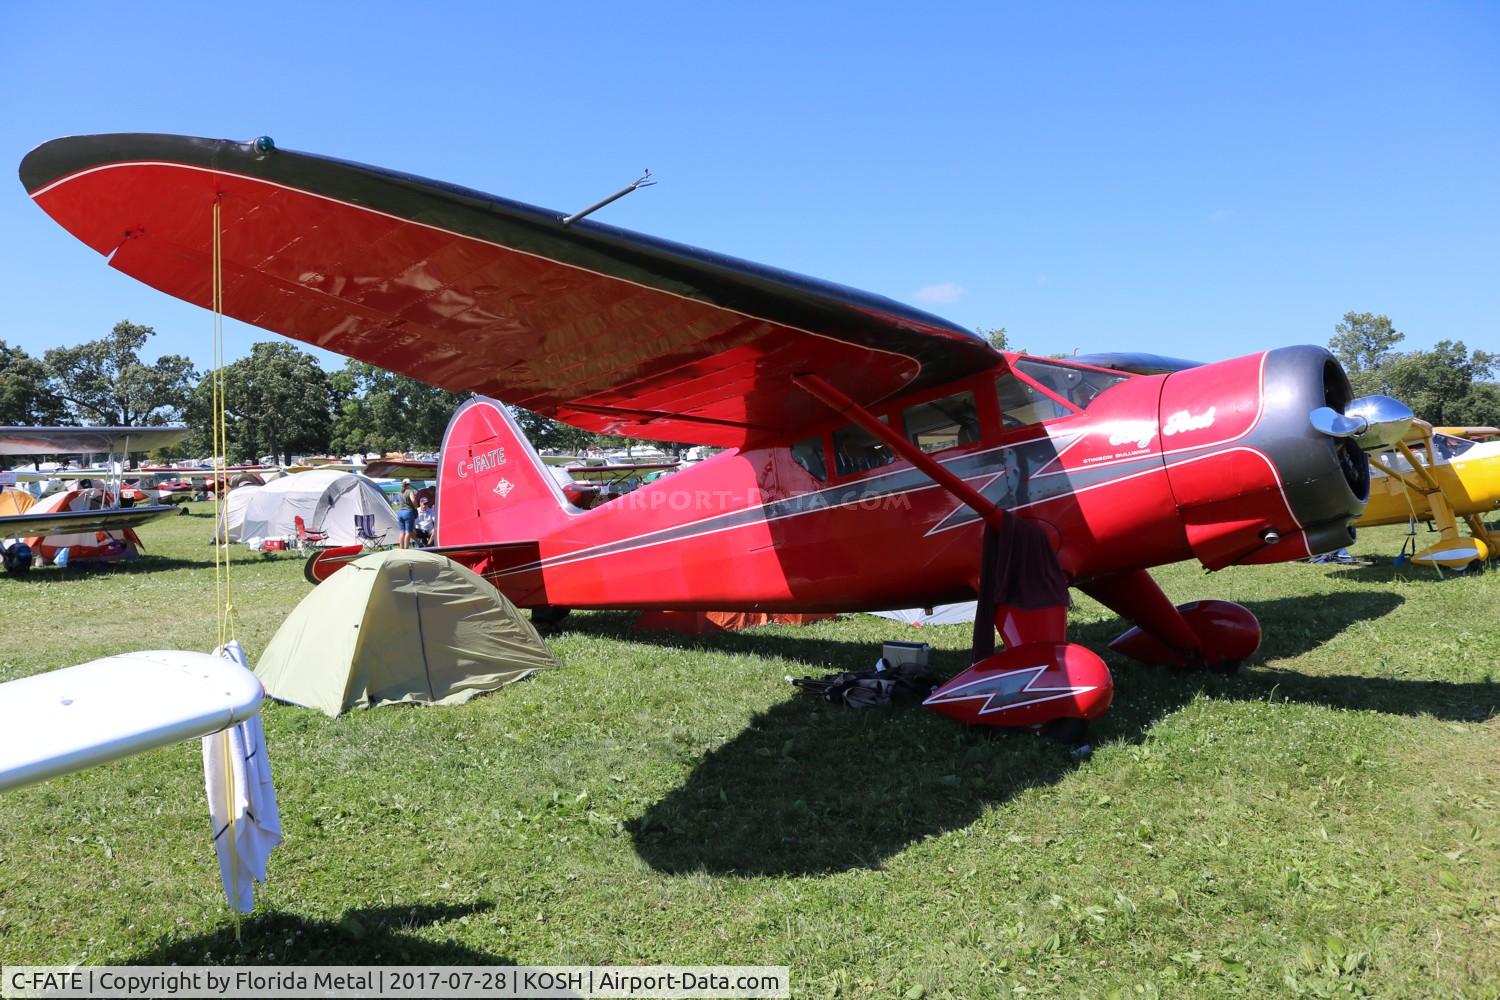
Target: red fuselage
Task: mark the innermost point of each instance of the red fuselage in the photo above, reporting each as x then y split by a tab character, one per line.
1132	472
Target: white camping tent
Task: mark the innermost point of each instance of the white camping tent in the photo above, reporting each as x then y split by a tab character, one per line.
327	500
943	614
233	512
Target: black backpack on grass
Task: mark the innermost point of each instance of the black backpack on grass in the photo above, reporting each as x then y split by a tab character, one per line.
882	684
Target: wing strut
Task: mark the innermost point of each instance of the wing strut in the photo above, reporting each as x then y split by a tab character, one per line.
822	390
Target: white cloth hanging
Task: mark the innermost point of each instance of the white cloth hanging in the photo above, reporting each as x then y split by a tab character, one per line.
237	773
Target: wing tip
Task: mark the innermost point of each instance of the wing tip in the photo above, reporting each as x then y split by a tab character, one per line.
58	158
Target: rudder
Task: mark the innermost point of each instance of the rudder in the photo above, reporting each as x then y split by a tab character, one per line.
492	485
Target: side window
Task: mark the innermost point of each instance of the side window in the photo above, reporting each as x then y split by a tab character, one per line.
943	423
1078	386
855	450
1020	404
1396	461
809	454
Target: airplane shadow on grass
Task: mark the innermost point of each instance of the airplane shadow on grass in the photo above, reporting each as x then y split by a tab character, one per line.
809	788
1386	571
376	936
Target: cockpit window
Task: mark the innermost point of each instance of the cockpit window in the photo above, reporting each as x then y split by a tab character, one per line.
1020	404
1078	386
943	423
1394	461
1449	447
856	450
1446	446
808	453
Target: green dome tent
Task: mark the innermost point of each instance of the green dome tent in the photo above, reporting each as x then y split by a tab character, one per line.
399	626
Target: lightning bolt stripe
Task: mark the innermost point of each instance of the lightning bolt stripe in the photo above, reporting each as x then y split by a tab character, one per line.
974	465
903	481
1012	689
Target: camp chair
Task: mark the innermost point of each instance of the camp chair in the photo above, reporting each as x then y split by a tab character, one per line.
306	535
364	528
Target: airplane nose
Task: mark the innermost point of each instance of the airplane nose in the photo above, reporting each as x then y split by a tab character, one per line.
1316	434
1279	473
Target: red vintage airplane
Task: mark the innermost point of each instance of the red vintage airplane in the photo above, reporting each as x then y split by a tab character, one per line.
870	444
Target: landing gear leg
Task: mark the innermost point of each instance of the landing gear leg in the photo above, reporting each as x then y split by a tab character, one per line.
1040	678
1216	634
548	615
1073	734
1478	530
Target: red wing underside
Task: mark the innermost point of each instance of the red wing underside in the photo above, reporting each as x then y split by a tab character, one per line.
607	330
382	468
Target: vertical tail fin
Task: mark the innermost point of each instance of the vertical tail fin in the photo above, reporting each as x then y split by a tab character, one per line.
492	485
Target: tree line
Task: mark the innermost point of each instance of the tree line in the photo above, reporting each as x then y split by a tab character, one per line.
1449	385
279	401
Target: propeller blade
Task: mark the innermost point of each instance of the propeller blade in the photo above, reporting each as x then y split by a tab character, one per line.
1387	421
1327	420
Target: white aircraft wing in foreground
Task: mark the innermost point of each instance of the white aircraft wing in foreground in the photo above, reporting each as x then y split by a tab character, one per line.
66	720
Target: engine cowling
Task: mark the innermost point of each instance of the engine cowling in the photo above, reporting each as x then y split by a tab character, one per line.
1275	487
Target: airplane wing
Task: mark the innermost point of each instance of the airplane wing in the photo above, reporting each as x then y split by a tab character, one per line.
389	468
1472	433
603	328
70	521
69	719
612	473
86	440
66	475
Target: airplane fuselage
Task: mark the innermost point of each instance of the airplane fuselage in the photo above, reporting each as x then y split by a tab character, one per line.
1217	463
1470	481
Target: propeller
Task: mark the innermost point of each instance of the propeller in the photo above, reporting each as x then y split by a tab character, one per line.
1374	422
1327	420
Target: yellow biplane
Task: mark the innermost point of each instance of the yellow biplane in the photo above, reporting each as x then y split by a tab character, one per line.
1439	475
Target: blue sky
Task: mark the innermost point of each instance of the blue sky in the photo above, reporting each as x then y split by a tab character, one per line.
1199	180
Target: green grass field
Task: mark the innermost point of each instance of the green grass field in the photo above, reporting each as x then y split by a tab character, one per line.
1326	822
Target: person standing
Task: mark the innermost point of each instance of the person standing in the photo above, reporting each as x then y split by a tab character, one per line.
406	513
426	523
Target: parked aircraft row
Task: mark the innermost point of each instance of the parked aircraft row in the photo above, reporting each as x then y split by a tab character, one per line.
91	519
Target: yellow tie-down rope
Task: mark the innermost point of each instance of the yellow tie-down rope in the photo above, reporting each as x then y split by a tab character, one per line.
223	585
